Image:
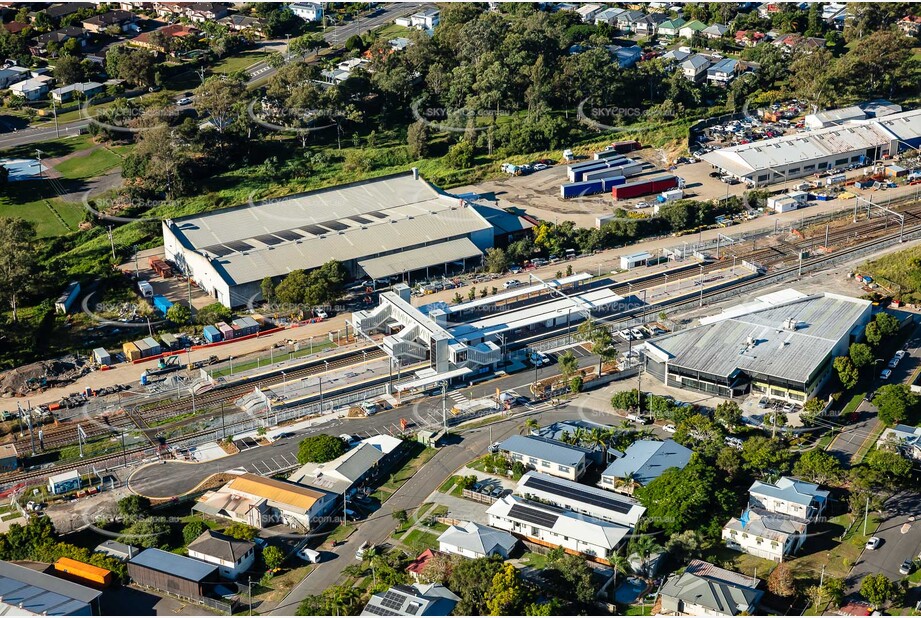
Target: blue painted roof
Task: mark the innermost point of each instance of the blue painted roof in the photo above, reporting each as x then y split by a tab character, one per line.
549	450
40	593
646	460
791	490
174	564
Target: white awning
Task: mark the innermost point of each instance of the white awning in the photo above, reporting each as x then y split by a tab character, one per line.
414	259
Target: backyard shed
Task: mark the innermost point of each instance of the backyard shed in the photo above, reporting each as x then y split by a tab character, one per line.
102	357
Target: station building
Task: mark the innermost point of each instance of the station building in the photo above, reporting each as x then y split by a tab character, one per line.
782	346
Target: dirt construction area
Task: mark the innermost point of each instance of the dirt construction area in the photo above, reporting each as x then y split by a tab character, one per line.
538	193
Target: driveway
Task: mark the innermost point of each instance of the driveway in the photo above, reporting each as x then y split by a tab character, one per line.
901	540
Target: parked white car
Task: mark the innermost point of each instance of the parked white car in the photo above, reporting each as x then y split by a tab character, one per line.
669	428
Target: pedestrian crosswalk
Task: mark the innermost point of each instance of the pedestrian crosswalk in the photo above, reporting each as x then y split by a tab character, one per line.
458	397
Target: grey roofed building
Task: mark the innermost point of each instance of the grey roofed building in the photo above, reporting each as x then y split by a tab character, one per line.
221	546
784	350
585	499
880	108
646	460
675	55
119	551
704	589
832	117
364	225
536	446
476	541
715	31
903	438
790	496
174	564
341	474
415	600
24	591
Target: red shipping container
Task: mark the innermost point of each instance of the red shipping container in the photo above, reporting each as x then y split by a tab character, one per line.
644	187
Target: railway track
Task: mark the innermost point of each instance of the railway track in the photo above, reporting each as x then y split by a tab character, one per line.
136	453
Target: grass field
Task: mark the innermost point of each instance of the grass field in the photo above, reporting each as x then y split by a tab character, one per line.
34	201
94	163
238	62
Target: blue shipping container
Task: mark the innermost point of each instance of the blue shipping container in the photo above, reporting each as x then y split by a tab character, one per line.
212	334
578	189
162	304
579	175
607	183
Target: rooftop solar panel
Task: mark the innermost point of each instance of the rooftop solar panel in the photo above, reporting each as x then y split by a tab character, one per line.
238	245
360	219
377	213
610	503
268	239
288	235
335	225
316	230
533	516
377	611
392	600
217	250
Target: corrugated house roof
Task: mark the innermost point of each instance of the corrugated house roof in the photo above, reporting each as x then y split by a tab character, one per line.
174	564
220	546
790	490
550	450
40	593
646	460
715	595
276	491
479	539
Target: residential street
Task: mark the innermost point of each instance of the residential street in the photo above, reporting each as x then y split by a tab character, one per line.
901	540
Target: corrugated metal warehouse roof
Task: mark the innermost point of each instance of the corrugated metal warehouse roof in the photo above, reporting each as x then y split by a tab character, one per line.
758	342
40	594
431	255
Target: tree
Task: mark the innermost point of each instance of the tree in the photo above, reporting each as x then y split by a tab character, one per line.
438	569
267	287
293	288
193	530
701	434
69	70
895	403
417	138
320	448
18	264
239	530
682	499
147	532
812	77
220	98
728	414
889	466
765	455
496	260
273	557
847	372
877	589
400	516
179	314
460	155
817	466
159	161
729	460
308	44
833	588
135	66
213	313
887	324
872	334
4	176
568	364
780	581
134	507
570	577
575	385
472	579
507	595
861	355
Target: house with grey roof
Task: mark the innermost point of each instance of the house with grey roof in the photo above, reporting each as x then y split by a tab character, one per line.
608	16
340	475
703	589
119	551
789	496
27	592
585	499
675	56
765	534
172	573
415	600
643	462
472	540
694	68
233	557
902	438
547	456
648	25
714	31
724	71
626	20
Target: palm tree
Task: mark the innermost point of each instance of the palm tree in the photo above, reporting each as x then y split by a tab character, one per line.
579	435
599	437
644	547
568	364
566	437
627	483
620	564
530	426
342	599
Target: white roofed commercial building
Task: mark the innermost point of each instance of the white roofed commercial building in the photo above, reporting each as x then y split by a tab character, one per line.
804	154
781	346
392	226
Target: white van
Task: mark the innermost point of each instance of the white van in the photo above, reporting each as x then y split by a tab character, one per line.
145	289
311	556
369	407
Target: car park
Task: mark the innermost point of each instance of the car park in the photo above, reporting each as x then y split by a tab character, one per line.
885	374
637	334
873	543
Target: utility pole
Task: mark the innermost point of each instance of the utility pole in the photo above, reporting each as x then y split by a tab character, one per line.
223	427
444	405
826	236
54	109
111	241
866	515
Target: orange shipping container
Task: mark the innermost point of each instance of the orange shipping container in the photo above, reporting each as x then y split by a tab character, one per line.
84	573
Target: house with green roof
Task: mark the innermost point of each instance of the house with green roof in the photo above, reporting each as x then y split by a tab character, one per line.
691	28
671	27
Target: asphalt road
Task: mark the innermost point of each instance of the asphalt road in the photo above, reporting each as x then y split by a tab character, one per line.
901	540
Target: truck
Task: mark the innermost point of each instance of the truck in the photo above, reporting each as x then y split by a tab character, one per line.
145	289
568	155
610	172
835	179
670	196
578	189
646	186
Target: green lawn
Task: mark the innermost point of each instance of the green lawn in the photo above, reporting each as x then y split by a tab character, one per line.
392	31
421	540
853	404
35	201
238	62
535	560
95	163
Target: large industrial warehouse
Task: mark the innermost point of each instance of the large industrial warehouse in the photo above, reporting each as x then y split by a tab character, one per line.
393	226
782	346
794	156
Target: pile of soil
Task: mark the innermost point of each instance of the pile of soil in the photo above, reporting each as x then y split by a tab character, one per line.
39	376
